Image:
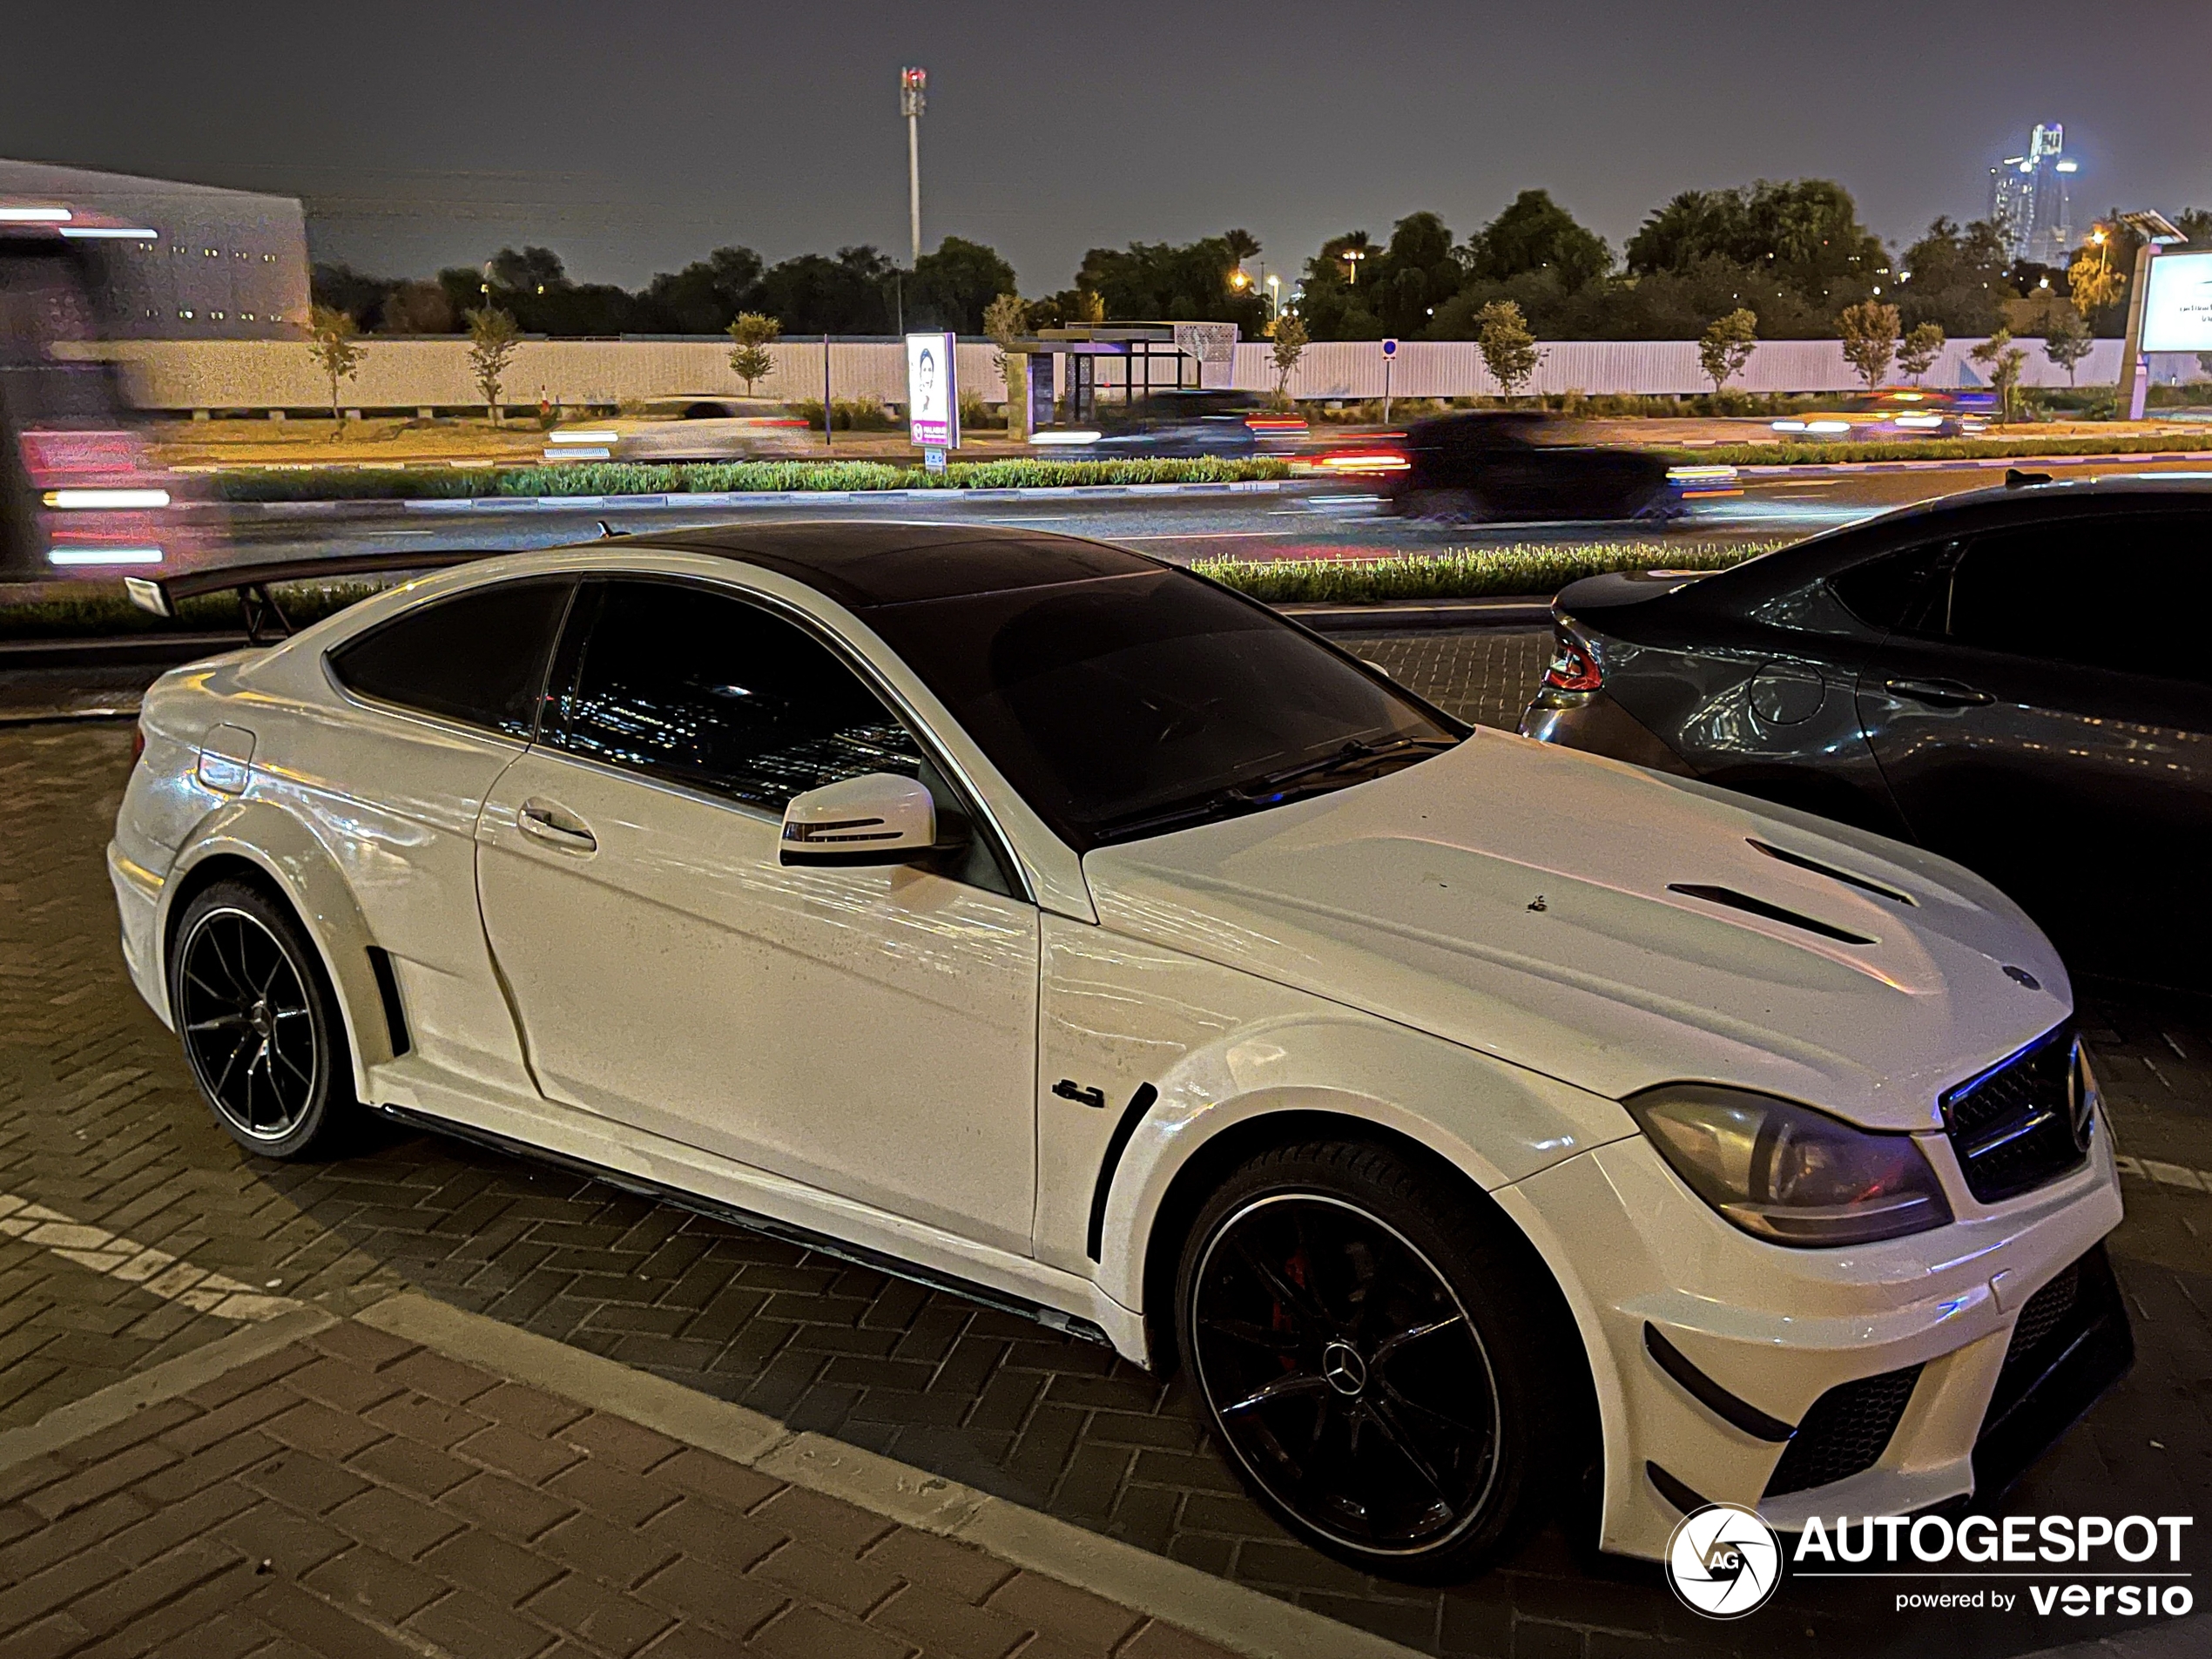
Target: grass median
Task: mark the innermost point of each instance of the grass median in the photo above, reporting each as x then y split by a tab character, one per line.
631	478
1521	568
2021	448
1463	573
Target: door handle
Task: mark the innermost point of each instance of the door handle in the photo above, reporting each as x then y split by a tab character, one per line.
556	825
1942	694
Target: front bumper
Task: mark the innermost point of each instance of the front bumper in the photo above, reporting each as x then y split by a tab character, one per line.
1923	1325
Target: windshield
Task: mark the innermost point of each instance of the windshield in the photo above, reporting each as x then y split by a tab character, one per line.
1133	704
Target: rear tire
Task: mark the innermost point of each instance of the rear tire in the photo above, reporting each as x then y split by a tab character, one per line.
1376	1353
260	1026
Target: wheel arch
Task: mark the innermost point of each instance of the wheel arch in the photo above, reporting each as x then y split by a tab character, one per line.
1203	1171
267	847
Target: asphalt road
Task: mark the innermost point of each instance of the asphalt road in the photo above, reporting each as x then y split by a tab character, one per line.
1302	521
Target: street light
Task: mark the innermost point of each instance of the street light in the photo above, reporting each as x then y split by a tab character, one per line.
914	85
1352	256
1274	296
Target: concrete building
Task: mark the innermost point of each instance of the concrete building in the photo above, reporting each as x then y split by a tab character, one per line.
223	265
2028	199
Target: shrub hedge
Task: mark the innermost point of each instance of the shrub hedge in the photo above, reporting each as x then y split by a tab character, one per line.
1770	454
632	478
1466	573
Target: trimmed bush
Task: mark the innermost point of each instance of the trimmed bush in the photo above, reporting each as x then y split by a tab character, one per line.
1773	455
633	478
107	614
1523	567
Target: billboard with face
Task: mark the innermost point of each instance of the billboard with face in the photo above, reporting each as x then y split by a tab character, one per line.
2177	303
933	399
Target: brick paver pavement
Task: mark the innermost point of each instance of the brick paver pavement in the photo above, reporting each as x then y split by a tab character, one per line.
98	1120
355	1495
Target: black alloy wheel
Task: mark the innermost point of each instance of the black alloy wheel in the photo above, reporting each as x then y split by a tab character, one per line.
1371	1358
259	1027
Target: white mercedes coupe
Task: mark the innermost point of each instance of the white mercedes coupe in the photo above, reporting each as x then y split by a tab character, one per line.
1482	1123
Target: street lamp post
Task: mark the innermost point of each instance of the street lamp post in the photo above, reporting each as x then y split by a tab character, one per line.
914	85
1274	296
1352	256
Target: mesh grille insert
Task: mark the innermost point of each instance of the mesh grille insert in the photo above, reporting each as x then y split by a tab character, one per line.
1846	1431
2016	1126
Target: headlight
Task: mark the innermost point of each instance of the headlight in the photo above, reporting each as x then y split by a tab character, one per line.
1788	1174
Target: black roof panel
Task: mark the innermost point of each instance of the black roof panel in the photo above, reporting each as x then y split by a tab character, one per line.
864	563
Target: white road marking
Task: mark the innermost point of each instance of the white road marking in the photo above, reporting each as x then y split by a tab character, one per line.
2166	1175
1205	536
151	1270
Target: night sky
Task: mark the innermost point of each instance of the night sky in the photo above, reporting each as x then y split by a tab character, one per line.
631	137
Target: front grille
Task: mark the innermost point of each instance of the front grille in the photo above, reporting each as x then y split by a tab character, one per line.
2021	1124
1847	1430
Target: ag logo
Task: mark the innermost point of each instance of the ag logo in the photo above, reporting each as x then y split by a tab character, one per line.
1724	1562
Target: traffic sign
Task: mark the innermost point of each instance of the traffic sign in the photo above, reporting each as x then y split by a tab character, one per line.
1390	348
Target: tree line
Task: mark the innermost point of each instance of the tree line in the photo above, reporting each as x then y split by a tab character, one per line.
1793	255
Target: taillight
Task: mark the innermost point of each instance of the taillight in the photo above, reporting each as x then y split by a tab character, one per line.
138	743
1573	668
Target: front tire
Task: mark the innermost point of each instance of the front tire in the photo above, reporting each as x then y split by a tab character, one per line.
1374	1353
260	1027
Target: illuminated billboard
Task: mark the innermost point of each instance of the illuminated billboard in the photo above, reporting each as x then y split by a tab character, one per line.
2177	306
933	399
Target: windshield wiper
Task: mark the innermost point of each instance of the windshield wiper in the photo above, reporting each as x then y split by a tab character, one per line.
1269	790
1358	753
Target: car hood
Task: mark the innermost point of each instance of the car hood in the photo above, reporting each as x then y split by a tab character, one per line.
1521	899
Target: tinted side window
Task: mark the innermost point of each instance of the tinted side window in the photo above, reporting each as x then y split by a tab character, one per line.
2095	591
705	690
478	658
1885	592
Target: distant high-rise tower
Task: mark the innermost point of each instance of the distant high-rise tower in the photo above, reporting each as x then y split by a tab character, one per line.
2027	199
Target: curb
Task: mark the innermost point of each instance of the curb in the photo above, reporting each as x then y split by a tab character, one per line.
1244	1620
1976	463
120	1401
1464	614
151	649
749	498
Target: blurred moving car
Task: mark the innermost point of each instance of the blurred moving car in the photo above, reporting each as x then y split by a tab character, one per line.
1511	464
1994	677
1894	412
683	428
79	494
1188	423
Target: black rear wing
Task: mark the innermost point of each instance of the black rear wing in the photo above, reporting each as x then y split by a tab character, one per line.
263	615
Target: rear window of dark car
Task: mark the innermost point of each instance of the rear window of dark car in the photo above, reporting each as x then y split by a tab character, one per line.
478	658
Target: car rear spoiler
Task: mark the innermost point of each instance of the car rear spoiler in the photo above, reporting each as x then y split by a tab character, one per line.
264	617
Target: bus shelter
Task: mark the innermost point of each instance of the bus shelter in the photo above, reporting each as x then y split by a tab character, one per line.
1057	376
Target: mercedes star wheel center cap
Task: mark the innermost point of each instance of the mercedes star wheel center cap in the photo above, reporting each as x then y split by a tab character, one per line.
1345	1370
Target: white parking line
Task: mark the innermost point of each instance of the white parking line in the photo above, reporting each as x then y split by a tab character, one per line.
2166	1175
153	1271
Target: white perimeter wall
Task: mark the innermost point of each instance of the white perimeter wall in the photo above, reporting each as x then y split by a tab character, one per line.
434	372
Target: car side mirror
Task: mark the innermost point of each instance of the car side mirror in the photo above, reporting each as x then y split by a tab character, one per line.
878	818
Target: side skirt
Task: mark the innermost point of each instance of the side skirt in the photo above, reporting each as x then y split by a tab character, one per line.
803	1238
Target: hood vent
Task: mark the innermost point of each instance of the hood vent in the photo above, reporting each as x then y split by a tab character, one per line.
1745	902
1833	873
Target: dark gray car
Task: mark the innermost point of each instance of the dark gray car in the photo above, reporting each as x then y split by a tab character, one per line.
2017	678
